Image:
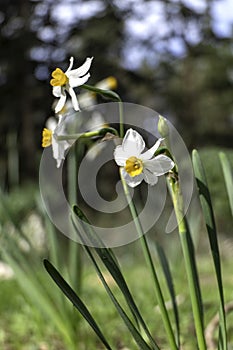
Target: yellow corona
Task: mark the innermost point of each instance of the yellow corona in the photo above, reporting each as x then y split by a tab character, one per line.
46	137
59	78
134	166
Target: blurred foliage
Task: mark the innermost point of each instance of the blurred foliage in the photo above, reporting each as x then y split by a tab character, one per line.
19	203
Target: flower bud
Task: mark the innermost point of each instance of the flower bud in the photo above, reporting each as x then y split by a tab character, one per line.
163	127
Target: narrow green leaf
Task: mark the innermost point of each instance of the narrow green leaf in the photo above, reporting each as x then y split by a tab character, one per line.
76	301
74	250
89	237
149	261
170	284
227	173
189	260
54	249
136	335
208	213
195	271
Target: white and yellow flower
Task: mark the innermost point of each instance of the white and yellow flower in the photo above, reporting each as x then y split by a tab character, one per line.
49	138
66	81
138	166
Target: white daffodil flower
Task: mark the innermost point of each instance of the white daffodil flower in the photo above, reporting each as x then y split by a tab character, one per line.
138	166
66	81
49	137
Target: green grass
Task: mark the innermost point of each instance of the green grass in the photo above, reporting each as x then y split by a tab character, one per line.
23	327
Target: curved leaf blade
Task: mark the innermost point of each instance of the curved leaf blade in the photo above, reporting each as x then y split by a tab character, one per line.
76	301
228	176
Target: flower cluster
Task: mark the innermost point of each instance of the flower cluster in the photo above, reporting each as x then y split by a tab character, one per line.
63	83
136	165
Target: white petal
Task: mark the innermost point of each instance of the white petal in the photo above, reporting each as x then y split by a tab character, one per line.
79	72
59	163
149	177
59	148
76	81
60	103
57	91
71	64
120	156
133	143
159	165
60	118
132	181
74	99
150	152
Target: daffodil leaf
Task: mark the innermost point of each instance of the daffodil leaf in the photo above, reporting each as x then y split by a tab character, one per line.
76	301
228	176
168	277
89	237
75	251
136	335
208	213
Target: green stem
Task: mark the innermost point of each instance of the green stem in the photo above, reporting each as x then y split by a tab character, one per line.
121	119
149	260
189	263
89	134
75	258
113	96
